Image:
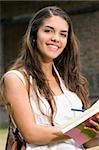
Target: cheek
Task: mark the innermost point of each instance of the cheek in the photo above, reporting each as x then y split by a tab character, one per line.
39	45
39	41
64	43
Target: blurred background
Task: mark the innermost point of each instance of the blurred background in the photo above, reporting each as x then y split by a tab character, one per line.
14	18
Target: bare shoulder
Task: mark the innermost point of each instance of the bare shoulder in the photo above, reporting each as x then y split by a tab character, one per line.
12	78
14	89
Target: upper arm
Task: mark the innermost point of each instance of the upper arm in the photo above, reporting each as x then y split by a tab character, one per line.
17	97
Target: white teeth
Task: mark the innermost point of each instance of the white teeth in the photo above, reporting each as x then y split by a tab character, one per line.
53	47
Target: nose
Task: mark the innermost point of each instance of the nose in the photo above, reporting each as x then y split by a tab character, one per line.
55	37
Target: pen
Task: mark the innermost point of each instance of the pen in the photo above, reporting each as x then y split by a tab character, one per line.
80	110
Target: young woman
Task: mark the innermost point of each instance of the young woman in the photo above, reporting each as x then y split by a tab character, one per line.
45	82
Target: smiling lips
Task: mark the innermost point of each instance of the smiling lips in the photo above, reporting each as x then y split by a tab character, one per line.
53	47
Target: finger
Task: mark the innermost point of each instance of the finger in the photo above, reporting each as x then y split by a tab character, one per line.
92	129
95	124
97	117
95	127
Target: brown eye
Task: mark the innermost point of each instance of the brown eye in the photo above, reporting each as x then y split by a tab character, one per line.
63	35
48	30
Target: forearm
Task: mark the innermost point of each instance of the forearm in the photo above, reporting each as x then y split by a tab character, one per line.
43	135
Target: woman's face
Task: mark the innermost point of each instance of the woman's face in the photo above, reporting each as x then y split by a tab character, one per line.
52	38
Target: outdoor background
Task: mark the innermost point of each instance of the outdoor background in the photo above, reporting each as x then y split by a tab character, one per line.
14	18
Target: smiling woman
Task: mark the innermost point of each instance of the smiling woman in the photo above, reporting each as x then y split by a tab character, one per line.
45	82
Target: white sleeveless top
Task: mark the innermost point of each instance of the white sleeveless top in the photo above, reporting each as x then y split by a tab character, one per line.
64	103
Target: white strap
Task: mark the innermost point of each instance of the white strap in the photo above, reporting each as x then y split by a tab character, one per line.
18	73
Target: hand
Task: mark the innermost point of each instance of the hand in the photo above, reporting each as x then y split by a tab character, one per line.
93	124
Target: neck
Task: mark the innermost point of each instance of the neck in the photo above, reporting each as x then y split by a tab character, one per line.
47	69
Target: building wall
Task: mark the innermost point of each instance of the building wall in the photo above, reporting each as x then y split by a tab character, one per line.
87	30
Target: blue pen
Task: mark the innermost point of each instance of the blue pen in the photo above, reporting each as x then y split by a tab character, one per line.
79	110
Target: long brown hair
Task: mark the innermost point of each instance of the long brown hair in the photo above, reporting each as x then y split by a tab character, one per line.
67	63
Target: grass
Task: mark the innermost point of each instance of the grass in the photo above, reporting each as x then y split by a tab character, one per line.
3	136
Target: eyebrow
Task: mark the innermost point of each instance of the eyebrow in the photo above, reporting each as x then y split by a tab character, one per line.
53	29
